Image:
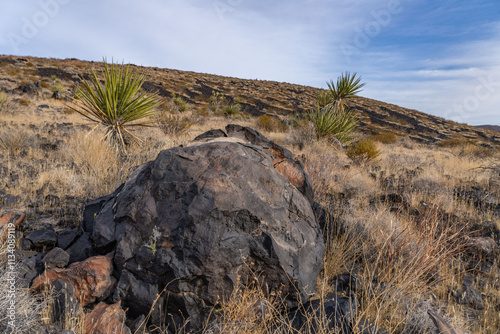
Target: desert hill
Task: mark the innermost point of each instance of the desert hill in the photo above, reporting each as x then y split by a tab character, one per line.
256	97
490	127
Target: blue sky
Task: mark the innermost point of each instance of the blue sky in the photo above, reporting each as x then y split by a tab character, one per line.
439	57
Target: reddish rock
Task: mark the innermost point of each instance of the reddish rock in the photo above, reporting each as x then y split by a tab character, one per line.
11	219
106	319
91	278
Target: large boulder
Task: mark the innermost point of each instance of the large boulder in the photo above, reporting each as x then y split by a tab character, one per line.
197	221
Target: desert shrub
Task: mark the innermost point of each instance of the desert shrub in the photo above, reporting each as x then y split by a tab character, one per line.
173	124
14	140
364	150
270	123
475	151
216	101
5	102
454	141
231	110
385	137
331	121
181	104
25	102
323	99
117	105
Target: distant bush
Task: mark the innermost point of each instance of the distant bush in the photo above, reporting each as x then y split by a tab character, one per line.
385	137
330	121
270	123
181	104
216	101
231	109
173	124
3	100
454	141
364	150
14	140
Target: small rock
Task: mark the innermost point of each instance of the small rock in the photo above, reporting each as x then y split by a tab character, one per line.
56	258
10	220
11	199
65	305
44	239
52	200
66	237
81	249
470	295
106	319
91	278
26	272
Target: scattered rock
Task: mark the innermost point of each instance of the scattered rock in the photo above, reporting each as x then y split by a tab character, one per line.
27	271
65	305
469	295
43	239
56	258
30	88
91	278
82	249
347	282
66	237
106	319
9	200
52	200
10	220
333	314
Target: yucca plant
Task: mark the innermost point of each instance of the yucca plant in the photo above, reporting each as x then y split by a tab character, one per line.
333	122
347	87
118	104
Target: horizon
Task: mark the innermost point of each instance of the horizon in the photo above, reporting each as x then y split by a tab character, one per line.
440	59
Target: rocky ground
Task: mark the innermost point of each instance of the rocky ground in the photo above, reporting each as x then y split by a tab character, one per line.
410	240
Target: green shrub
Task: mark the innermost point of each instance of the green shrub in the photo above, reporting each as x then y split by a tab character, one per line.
216	100
347	87
364	150
330	121
323	99
231	110
181	104
117	105
3	99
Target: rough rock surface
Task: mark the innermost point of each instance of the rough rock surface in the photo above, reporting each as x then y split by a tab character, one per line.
106	319
91	278
200	217
14	218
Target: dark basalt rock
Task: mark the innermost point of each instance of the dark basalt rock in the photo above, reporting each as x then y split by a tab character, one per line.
198	218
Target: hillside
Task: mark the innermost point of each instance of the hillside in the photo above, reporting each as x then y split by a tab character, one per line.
490	127
396	229
256	97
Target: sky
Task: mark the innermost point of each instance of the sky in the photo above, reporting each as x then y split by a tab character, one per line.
438	57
